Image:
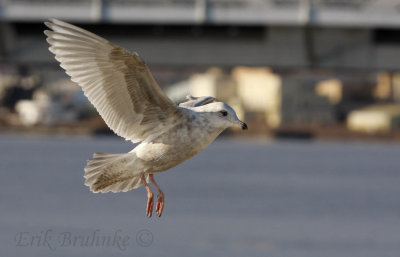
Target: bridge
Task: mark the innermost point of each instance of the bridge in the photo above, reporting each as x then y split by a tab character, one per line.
354	34
359	13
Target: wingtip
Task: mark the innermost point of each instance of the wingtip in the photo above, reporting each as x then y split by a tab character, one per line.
48	24
48	32
54	20
51	49
49	40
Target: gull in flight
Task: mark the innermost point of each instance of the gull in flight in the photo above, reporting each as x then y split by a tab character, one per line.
121	88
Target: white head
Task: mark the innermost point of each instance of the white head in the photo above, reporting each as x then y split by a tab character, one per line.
221	115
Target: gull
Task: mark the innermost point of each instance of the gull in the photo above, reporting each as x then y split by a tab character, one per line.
125	94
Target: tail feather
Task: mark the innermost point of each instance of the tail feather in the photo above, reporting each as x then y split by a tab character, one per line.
109	172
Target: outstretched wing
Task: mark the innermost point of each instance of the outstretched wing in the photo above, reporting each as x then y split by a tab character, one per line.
116	82
197	101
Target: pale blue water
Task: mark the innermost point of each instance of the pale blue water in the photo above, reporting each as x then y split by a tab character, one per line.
237	198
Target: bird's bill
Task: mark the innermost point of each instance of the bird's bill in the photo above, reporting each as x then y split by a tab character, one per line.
240	124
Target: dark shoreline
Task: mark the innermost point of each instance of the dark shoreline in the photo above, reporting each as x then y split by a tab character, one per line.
256	131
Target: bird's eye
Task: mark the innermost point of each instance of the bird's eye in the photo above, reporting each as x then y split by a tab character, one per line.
224	113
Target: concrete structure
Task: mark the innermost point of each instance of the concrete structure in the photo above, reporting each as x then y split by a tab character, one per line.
354	34
353	13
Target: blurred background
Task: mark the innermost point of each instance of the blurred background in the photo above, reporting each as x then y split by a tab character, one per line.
326	68
316	174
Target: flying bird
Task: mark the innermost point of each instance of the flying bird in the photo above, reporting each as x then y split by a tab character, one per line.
122	89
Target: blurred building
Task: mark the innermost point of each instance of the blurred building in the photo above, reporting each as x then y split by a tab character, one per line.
215	83
326	58
283	99
25	100
259	91
262	95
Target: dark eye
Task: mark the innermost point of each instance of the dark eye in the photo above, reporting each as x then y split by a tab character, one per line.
224	113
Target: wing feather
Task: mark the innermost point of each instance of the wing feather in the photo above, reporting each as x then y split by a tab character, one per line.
197	101
118	83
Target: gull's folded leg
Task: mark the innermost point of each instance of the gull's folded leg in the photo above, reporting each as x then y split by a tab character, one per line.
160	196
150	202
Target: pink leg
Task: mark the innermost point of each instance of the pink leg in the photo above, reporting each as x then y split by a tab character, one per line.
150	202
160	196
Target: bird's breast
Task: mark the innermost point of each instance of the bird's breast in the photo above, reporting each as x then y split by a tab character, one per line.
174	147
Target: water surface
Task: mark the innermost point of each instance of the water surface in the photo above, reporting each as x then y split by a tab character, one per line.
236	198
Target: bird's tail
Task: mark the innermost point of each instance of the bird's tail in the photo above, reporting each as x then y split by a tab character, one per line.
110	172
